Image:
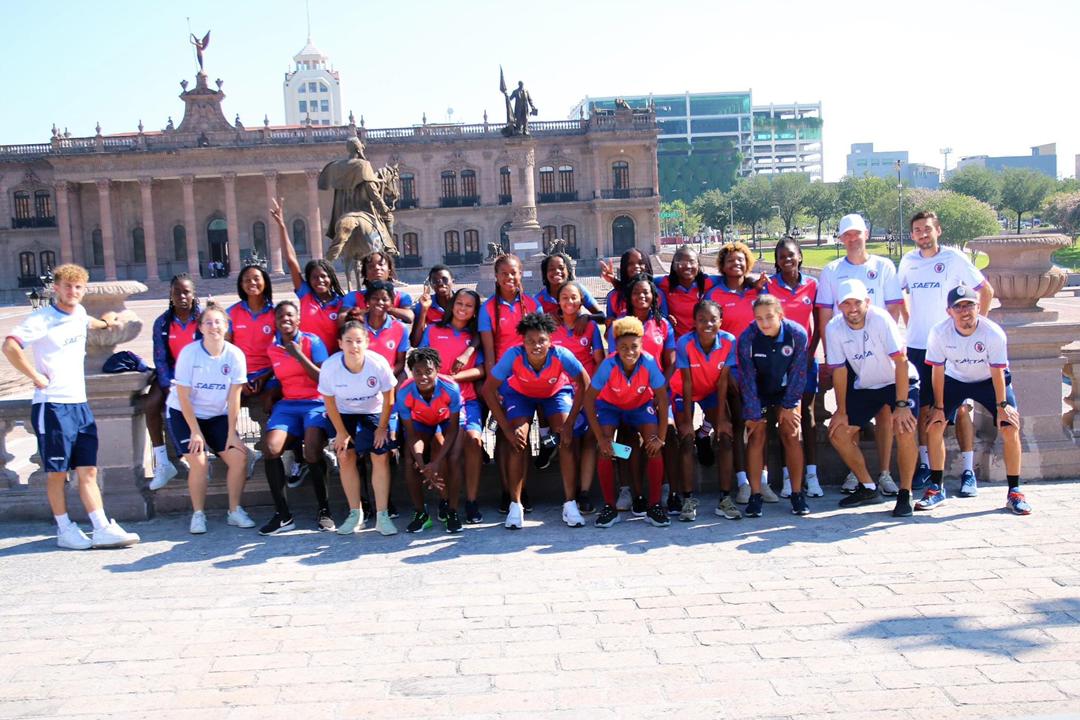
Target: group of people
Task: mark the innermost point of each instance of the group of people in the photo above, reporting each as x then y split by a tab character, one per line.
370	378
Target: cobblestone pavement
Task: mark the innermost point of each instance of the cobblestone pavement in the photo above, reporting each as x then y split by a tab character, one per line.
968	612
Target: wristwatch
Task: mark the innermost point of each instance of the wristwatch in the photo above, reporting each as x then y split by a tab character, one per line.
903	404
1003	404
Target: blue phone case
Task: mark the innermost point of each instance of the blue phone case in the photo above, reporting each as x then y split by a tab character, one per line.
621	451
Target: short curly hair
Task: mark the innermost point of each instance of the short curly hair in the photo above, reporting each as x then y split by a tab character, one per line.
628	325
537	321
427	355
731	247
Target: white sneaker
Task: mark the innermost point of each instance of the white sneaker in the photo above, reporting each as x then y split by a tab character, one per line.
288	459
813	487
253	456
353	524
114	536
72	538
742	495
851	483
625	502
239	518
785	491
162	475
885	482
385	525
198	523
767	494
515	519
571	515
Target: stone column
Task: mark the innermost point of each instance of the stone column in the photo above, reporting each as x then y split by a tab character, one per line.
63	220
315	230
524	232
273	241
150	238
107	247
187	182
78	239
603	247
232	222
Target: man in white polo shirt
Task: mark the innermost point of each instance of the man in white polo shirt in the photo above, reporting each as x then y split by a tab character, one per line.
66	433
872	378
878	276
970	359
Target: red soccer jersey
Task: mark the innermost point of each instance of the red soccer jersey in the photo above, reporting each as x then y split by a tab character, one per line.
582	345
451	343
253	334
181	335
798	302
704	367
681	301
295	382
319	318
628	391
510	314
560	366
445	401
737	306
658	337
389	340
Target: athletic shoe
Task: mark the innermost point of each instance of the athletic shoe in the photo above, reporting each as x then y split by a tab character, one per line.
253	456
163	473
114	536
571	515
453	522
785	491
277	525
72	538
1017	503
812	487
688	511
239	518
472	512
515	516
850	485
726	509
754	507
299	474
288	460
391	509
354	523
625	501
608	516
885	482
504	503
932	497
922	477
640	506
420	521
325	523
674	504
798	504
585	504
657	516
862	496
903	504
548	445
526	502
767	493
742	495
197	526
705	454
444	507
969	486
384	524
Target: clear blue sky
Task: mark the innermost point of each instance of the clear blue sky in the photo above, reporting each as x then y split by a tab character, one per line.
987	78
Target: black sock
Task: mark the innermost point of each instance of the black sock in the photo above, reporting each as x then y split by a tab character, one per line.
688	494
936	476
317	476
723	494
1014	482
275	478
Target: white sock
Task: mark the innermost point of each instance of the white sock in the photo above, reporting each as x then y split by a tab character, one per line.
99	519
811	470
741	477
62	521
764	477
969	460
870	486
924	455
787	475
161	455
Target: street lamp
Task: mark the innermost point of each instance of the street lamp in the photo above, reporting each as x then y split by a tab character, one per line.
35	299
900	208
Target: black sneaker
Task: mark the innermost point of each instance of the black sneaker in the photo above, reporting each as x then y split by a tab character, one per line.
391	510
903	504
504	503
472	512
705	454
299	474
453	522
798	504
608	516
277	525
657	516
640	506
420	521
753	508
548	446
444	507
674	504
525	501
323	522
585	504
862	496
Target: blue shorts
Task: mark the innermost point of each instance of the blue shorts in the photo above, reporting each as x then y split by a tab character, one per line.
520	406
214	430
863	405
253	376
707	403
611	416
812	378
917	357
363	429
66	434
471	416
956	392
296	416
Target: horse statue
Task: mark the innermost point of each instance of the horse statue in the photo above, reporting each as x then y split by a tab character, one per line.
495	251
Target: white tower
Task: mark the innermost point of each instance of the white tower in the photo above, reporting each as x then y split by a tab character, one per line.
312	89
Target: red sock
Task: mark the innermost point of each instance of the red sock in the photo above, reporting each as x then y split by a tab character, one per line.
655	471
605	468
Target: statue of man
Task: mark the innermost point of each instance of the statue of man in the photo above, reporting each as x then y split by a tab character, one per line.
523	107
356	186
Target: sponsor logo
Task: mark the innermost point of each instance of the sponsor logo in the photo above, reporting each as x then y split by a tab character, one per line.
863	355
73	340
760	355
651	410
932	285
979	347
787	350
444	411
939	268
209	386
969	361
372	382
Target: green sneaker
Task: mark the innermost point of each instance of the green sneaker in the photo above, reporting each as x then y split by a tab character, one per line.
352	524
420	521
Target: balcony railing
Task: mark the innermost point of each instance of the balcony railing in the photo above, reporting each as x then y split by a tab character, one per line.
505	199
408	203
459	201
626	193
557	197
408	261
33	222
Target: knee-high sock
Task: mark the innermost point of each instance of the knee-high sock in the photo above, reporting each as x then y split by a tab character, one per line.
275	477
317	475
655	471
605	468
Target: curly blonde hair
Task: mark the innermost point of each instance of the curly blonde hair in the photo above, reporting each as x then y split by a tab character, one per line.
70	272
627	326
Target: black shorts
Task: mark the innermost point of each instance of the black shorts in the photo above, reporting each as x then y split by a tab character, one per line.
956	392
215	431
362	427
863	405
66	435
917	357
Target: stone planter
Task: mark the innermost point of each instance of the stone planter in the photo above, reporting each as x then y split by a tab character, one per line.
1020	269
103	297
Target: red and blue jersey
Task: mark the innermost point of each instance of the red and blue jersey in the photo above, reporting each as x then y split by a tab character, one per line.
182	334
435	313
582	345
504	332
451	342
401	300
616	306
628	390
737	307
798	301
559	367
388	340
252	333
658	338
681	301
295	382
550	304
704	366
445	402
319	318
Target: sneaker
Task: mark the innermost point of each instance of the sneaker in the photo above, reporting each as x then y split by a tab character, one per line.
811	486
767	493
526	502
296	479
420	521
253	456
325	523
674	504
885	482
625	501
688	511
742	495
850	485
444	507
549	444
585	504
453	522
197	526
239	518
504	503
754	506
639	507
1017	503
384	524
798	504
705	454
903	504
72	538
472	512
354	523
277	525
571	515
288	460
162	475
114	536
785	491
391	509
515	516
969	486
932	497
921	478
608	516
657	516
727	509
862	496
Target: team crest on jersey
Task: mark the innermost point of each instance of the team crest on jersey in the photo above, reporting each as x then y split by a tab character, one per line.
372	382
444	411
979	347
267	330
651	410
787	350
225	369
939	268
333	316
390	344
641	391
553	380
865	335
872	274
806	300
584	341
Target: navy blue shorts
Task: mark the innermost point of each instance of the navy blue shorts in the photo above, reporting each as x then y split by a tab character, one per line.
956	392
812	378
917	357
66	434
214	430
863	405
362	427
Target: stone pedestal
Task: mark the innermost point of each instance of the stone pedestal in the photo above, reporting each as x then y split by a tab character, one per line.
525	234
103	297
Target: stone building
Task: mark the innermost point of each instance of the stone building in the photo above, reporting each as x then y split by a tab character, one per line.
148	204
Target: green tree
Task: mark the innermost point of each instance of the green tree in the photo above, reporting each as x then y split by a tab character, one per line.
1068	185
1063	210
822	200
962	217
688	222
977	182
752	198
714	208
864	195
1024	191
788	192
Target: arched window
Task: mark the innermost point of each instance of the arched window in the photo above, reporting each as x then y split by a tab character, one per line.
452	246
138	245
547	180
27	266
48	260
43	205
569	234
407	181
566	179
258	239
622	234
620	175
97	249
506	193
299	236
550	233
179	242
449	185
504	236
469	193
472	242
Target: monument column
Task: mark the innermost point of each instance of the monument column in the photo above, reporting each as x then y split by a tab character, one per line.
63	220
315	232
108	250
524	232
274	242
78	239
231	222
602	247
187	182
150	238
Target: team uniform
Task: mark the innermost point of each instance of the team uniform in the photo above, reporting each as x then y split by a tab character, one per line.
615	306
509	314
737	307
627	398
435	313
878	274
209	380
772	370
798	305
659	338
450	343
388	340
433	415
968	361
301	405
401	300
583	345
681	300
320	318
171	335
525	390
550	304
704	366
358	396
252	334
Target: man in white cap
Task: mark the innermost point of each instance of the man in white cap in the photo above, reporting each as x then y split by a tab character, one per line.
878	276
872	377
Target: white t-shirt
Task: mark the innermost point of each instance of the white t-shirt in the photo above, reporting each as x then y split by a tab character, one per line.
868	350
356	393
968	359
59	343
928	281
877	273
208	377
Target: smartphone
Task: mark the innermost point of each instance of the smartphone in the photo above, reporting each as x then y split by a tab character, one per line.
621	451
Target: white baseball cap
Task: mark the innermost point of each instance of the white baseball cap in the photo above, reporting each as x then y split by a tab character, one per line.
853	221
852	289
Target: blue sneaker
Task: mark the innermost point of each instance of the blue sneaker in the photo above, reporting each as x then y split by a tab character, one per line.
754	507
934	496
922	477
1017	503
969	486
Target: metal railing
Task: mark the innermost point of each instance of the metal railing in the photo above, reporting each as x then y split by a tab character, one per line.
33	222
626	193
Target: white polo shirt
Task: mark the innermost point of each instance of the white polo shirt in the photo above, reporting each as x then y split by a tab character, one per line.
356	393
59	343
869	350
968	359
877	273
208	377
928	281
